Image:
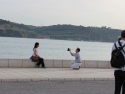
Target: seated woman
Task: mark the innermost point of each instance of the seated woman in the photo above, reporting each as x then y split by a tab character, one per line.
35	53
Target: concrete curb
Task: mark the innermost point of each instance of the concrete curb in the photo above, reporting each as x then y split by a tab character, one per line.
56	79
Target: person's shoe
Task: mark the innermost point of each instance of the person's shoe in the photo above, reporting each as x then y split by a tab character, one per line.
76	68
79	67
44	67
36	66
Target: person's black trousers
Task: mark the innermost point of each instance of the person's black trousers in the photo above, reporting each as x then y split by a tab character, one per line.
119	81
41	61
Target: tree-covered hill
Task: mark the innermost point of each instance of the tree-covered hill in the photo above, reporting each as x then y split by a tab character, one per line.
10	29
72	32
65	32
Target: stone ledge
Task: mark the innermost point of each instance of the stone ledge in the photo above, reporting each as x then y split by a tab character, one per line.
27	63
4	63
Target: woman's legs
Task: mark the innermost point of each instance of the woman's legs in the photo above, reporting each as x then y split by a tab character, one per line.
41	61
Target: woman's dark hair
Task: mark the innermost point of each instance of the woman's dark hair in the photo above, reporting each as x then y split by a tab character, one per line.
35	46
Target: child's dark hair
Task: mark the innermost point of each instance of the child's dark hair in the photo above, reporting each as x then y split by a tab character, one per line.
35	46
78	49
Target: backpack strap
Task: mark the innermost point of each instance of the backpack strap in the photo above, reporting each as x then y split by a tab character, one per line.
115	46
121	47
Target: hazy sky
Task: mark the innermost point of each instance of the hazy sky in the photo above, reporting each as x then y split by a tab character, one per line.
110	13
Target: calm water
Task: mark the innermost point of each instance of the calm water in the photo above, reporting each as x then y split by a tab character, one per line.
53	49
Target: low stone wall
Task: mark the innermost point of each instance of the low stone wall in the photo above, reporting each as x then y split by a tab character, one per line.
27	63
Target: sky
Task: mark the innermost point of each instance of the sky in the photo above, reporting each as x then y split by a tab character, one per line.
109	13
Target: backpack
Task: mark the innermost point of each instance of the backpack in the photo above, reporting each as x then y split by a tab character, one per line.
117	58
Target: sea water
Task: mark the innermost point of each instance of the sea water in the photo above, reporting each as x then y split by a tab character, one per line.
53	49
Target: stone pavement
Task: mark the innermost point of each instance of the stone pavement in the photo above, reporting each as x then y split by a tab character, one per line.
55	74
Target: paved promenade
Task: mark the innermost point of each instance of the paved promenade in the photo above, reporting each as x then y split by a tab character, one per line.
55	74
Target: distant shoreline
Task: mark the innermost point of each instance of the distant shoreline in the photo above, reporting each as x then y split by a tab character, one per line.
56	39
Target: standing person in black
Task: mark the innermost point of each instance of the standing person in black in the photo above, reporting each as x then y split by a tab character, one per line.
35	53
119	73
